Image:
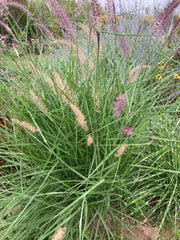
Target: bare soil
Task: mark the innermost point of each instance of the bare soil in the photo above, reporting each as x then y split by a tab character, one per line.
128	229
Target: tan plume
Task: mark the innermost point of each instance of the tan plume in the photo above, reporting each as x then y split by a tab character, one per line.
51	84
66	93
59	235
120	151
96	97
89	140
25	125
67	97
35	69
37	100
80	116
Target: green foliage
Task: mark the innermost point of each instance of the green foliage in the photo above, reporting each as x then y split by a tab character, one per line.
51	177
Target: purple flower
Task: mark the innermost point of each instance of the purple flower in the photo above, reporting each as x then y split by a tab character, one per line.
127	131
96	8
63	20
119	104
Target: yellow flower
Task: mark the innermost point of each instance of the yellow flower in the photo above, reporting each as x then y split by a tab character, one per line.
118	17
176	76
162	67
104	18
158	77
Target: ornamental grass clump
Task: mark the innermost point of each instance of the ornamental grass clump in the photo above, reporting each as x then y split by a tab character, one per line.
71	172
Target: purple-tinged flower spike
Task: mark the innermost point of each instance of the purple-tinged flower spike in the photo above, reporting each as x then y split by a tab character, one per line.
96	13
45	29
62	18
174	56
111	14
120	104
172	31
96	8
2	39
123	43
110	10
139	30
17	5
97	17
6	27
127	131
82	5
164	16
